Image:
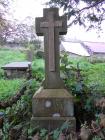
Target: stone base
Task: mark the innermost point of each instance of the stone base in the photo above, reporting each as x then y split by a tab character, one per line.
52	102
51	123
52	107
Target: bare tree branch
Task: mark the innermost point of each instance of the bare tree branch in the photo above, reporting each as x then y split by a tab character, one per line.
91	6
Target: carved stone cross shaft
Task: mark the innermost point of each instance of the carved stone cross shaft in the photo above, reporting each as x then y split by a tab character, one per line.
51	26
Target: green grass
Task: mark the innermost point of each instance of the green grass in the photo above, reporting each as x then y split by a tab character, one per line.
95	77
94	74
7	56
9	87
38	63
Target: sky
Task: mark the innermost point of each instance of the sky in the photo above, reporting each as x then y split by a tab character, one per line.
34	8
24	8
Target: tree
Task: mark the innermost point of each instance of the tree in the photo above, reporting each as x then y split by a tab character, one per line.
85	12
22	31
4	23
18	31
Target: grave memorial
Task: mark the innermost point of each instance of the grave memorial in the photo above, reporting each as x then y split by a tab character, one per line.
52	104
16	69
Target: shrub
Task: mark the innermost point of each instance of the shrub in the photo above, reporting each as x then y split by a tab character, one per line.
39	54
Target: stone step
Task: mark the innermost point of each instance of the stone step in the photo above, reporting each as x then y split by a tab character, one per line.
51	123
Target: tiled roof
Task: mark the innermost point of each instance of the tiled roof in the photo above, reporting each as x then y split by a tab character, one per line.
75	48
84	48
96	47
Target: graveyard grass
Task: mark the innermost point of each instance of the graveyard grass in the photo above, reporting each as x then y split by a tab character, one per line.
9	55
8	87
73	70
93	72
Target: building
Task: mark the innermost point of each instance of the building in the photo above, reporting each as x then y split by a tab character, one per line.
97	49
80	48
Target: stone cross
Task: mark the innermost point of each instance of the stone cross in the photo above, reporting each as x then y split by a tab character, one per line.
51	26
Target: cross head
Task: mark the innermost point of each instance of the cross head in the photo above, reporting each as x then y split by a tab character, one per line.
51	26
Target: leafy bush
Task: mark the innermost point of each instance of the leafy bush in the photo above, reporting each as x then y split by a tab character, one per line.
39	54
19	115
84	79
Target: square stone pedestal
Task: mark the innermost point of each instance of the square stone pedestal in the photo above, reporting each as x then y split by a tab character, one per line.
51	108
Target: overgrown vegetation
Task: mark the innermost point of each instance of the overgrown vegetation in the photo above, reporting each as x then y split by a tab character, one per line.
17	118
9	87
86	81
83	78
90	74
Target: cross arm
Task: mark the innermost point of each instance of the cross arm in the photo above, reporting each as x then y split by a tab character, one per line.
63	29
39	30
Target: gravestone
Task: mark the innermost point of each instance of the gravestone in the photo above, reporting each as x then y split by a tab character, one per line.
16	69
52	104
30	54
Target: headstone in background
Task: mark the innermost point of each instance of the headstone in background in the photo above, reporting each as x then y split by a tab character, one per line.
16	69
52	104
30	54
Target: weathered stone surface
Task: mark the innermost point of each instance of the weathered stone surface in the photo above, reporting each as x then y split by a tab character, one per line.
51	26
30	54
16	65
51	123
10	74
52	93
16	69
52	105
53	102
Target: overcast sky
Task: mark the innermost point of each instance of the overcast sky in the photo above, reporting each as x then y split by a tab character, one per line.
34	8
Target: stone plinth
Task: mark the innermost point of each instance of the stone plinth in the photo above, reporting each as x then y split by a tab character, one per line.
52	107
52	123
